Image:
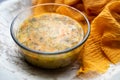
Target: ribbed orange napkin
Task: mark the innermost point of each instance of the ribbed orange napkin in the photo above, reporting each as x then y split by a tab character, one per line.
103	45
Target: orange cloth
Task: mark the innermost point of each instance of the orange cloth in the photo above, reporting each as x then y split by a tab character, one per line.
111	35
103	44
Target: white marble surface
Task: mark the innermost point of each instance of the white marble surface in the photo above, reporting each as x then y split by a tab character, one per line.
12	64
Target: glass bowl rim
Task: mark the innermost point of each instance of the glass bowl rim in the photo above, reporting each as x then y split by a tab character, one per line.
49	53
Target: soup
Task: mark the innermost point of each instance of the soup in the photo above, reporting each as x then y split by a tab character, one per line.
50	32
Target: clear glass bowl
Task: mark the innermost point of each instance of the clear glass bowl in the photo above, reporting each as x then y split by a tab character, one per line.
50	60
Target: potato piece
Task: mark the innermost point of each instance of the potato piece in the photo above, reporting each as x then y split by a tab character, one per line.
70	12
79	6
34	2
70	2
59	1
42	1
38	10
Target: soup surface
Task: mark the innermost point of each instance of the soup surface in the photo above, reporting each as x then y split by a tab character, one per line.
50	32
